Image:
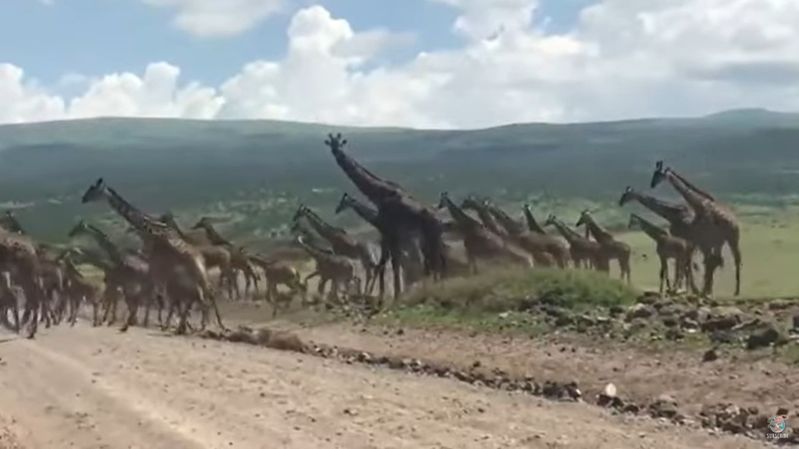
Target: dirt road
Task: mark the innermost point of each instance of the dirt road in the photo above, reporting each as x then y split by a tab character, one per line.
96	388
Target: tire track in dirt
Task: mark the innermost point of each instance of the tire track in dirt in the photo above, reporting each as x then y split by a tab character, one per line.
96	388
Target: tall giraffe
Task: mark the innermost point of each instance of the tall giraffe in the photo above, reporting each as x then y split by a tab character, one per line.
612	248
585	253
667	247
170	252
713	226
530	243
480	243
341	242
240	260
532	223
399	211
410	257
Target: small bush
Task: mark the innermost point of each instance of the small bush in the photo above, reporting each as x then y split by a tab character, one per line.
514	289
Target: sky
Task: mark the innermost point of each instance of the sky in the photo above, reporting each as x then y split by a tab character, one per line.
419	63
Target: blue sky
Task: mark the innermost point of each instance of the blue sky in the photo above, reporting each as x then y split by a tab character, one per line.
418	63
103	36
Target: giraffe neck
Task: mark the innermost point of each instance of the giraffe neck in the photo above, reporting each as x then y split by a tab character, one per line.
695	200
674	214
105	243
487	219
136	218
654	232
365	212
692	186
567	233
11	224
368	183
532	224
215	237
466	222
316	253
511	226
599	233
323	228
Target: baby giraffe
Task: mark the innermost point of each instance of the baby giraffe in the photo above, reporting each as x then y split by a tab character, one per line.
667	247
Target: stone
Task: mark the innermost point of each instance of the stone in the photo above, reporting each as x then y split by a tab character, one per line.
764	338
640	310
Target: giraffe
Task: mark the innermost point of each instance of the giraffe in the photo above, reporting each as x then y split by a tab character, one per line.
330	267
127	276
612	248
714	225
239	258
278	272
473	204
214	256
19	262
410	257
532	244
341	242
553	245
171	254
667	247
399	212
79	289
532	224
52	271
679	216
479	241
585	253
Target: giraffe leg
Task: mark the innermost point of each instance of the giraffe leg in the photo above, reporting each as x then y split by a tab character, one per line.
734	243
664	274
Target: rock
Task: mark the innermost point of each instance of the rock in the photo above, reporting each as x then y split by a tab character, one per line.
609	398
710	355
722	318
286	341
616	310
780	304
796	323
649	297
664	406
640	311
764	337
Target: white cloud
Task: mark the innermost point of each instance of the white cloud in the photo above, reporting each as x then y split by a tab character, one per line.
624	58
218	18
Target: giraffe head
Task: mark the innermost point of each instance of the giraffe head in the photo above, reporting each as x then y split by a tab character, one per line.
551	219
168	218
343	203
471	202
301	209
202	223
335	143
95	192
585	218
443	199
79	228
627	196
659	175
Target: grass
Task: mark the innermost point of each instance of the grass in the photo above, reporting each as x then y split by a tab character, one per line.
769	247
497	299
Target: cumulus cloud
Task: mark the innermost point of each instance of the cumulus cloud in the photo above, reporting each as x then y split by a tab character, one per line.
623	58
218	18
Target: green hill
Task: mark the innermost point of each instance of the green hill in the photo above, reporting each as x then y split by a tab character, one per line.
253	173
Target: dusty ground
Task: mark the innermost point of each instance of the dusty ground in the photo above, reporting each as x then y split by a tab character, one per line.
96	388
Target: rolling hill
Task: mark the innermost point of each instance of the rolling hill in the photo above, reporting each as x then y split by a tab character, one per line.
254	172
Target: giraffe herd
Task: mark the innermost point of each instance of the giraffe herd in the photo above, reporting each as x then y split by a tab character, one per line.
170	272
